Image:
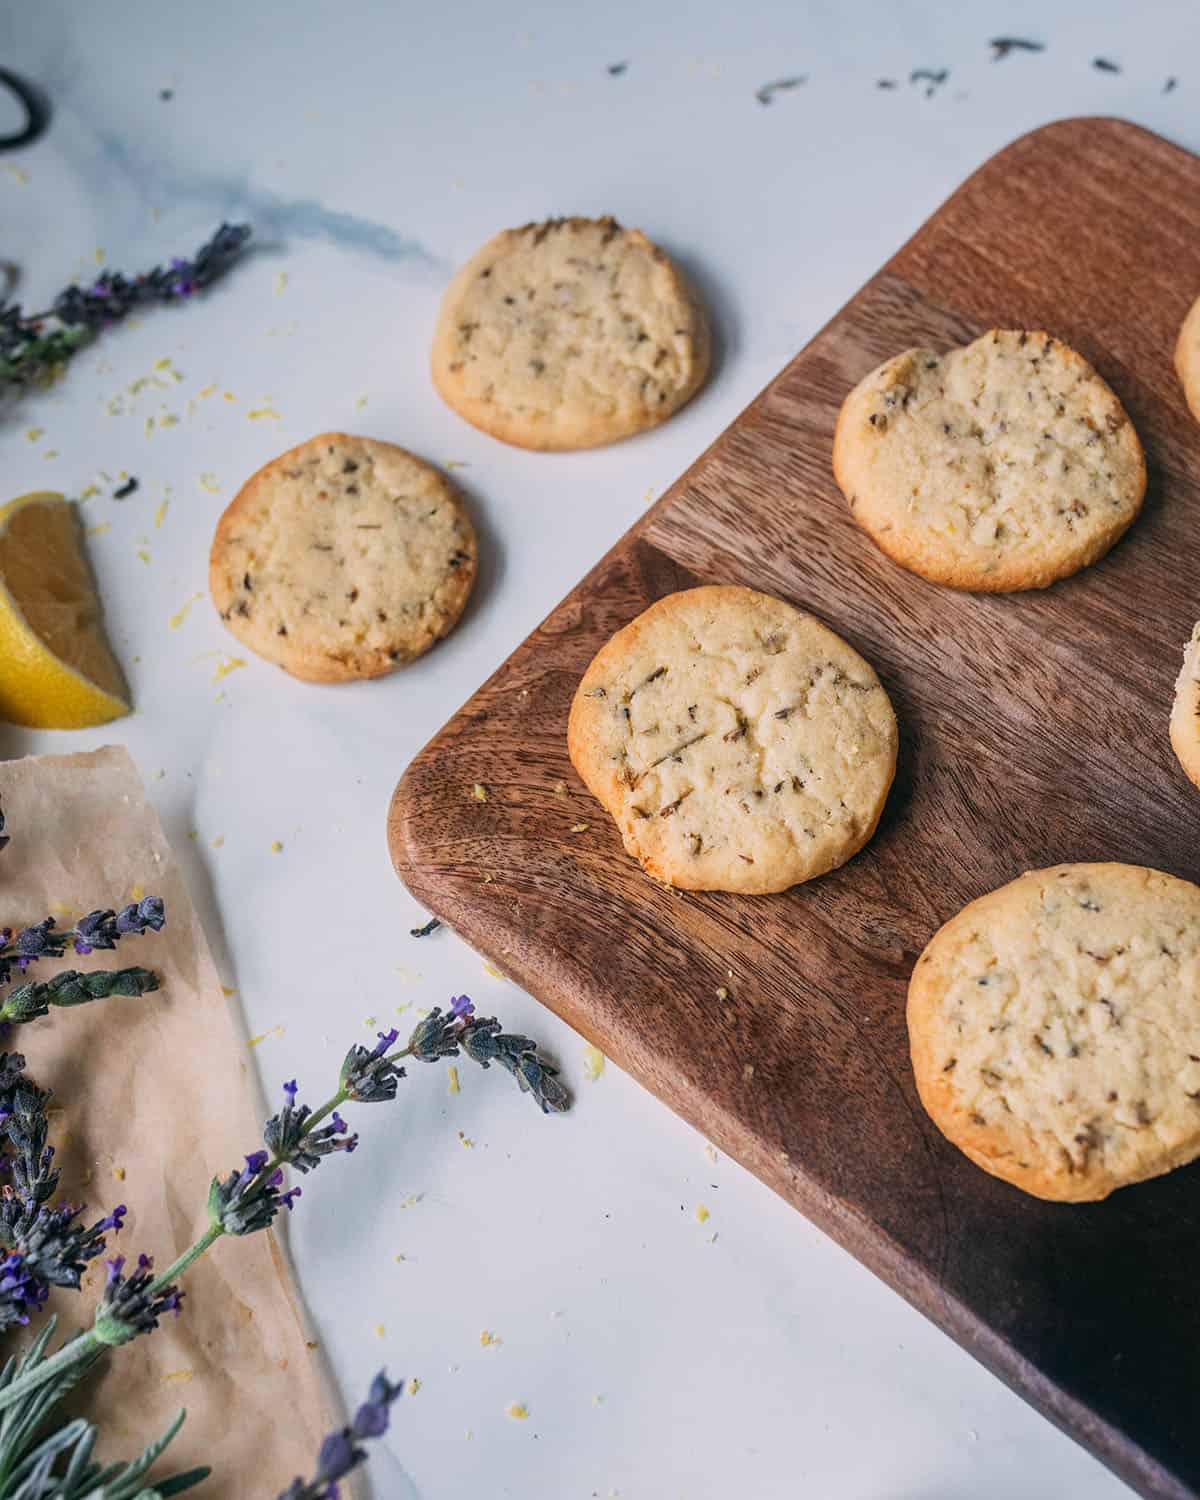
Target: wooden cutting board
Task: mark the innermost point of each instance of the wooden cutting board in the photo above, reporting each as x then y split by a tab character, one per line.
1033	730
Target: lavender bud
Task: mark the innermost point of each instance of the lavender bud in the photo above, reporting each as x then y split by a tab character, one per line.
129	1305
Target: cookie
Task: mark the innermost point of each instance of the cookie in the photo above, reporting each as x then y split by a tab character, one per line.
342	558
1004	465
569	334
1187	358
1185	711
738	743
1055	1029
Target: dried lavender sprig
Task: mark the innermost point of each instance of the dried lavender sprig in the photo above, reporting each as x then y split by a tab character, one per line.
248	1200
341	1451
30	1000
4	840
133	1304
100	929
43	1245
30	351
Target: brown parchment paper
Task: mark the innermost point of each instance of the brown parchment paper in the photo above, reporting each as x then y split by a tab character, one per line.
156	1098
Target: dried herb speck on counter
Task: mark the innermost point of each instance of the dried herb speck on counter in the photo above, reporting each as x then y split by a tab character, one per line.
431	926
1170	85
1105	65
126	489
616	69
766	94
932	77
885	83
1002	45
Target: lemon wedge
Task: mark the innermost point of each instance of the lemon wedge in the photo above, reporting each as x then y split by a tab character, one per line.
56	668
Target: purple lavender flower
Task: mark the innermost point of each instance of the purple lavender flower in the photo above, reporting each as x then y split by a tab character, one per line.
20	1291
140	915
131	1305
438	1035
341	1452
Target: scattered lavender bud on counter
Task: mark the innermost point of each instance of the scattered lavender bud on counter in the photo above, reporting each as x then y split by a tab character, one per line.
1105	65
766	94
423	931
616	69
1002	45
122	492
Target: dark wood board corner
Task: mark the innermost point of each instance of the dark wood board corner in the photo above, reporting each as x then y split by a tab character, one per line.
1033	730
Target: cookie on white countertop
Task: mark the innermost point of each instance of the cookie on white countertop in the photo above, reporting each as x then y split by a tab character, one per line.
342	559
569	334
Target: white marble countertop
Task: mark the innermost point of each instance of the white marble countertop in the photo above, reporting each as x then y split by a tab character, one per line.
373	146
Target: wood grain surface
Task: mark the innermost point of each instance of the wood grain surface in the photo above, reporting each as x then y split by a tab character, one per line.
1033	730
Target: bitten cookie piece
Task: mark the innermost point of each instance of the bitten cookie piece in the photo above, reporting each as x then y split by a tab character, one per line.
738	744
1055	1029
569	334
342	558
1185	711
1003	465
1187	358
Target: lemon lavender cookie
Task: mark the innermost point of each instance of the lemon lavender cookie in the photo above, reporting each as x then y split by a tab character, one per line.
1003	465
568	334
1054	1026
342	558
738	744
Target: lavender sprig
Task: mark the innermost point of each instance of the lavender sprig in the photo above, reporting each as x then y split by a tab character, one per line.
101	929
341	1451
133	1304
34	347
42	1245
3	839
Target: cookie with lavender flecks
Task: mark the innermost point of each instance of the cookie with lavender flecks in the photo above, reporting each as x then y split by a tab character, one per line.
738	743
569	334
343	558
1003	465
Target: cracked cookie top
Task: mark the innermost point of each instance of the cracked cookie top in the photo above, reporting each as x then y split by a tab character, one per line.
342	558
1055	1028
738	743
568	334
1003	465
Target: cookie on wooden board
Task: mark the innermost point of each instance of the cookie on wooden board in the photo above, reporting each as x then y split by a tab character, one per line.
1187	358
739	744
568	334
342	558
1185	711
1003	465
1054	1026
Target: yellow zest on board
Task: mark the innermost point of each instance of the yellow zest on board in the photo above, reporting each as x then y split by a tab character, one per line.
452	1084
276	847
230	664
456	463
206	391
98	255
263	413
88	491
701	1214
492	971
560	788
228	991
518	1411
144	555
711	1153
58	669
466	1141
593	1062
33	433
18	174
263	1036
99	530
209	482
412	1200
580	827
489	1340
136	892
747	1071
414	1385
160	515
50	453
311	1344
228	396
281	281
360	403
168	419
177	1375
380	1330
119	1173
479	792
183	611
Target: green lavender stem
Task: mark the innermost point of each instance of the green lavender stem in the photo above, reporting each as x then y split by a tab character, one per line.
86	1345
